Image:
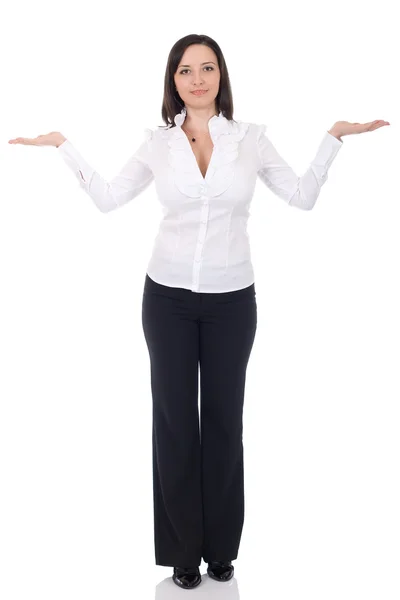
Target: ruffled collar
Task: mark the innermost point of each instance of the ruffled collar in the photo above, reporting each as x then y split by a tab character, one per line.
217	125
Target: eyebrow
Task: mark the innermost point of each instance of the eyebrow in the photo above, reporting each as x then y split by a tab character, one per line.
204	63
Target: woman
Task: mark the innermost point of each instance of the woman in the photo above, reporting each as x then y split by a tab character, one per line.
199	300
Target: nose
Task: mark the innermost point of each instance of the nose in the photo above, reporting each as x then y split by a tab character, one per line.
197	79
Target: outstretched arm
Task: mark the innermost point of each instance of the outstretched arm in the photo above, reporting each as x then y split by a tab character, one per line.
303	191
134	177
279	177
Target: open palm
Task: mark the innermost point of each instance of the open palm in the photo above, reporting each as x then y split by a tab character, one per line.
54	138
347	128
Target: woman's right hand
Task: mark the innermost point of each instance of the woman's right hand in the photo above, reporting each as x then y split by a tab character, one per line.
54	138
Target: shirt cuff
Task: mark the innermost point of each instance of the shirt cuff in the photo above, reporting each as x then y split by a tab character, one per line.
326	153
76	162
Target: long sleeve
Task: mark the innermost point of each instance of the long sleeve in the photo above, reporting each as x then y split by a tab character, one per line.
134	177
280	178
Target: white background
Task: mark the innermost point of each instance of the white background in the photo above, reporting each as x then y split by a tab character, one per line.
321	419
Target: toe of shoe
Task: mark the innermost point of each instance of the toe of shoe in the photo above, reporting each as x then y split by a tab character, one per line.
187	581
220	574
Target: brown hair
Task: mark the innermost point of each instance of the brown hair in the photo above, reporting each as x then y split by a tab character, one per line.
172	103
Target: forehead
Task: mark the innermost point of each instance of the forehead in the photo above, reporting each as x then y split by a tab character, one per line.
198	53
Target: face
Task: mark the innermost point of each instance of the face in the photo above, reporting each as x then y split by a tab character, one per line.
198	70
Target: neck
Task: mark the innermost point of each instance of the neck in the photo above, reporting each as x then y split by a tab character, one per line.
197	120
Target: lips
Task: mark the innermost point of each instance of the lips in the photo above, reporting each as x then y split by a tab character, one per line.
199	92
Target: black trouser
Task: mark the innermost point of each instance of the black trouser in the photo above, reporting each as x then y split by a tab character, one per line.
198	479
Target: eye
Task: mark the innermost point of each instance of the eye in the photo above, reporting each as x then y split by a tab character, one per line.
208	67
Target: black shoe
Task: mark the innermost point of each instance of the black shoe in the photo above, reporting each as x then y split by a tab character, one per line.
220	570
187	578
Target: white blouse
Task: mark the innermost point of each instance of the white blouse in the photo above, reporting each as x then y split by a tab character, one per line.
202	244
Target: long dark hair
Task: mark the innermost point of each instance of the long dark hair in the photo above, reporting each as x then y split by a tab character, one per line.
172	102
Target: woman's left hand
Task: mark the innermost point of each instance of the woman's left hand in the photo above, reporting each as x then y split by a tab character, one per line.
341	128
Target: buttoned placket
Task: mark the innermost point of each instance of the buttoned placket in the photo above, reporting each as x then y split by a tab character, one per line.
201	237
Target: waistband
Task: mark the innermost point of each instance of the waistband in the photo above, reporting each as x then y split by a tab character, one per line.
151	285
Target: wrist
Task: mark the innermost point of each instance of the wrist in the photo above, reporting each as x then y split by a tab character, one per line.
335	132
60	140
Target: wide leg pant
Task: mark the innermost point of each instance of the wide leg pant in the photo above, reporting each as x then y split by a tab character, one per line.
198	478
